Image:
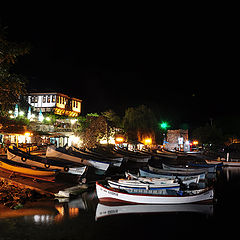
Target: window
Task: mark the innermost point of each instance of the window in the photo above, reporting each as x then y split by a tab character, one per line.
48	98
53	98
44	99
34	99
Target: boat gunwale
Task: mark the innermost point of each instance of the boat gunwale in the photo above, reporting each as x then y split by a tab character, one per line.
152	195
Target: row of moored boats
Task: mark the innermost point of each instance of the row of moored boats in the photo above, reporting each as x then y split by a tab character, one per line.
163	183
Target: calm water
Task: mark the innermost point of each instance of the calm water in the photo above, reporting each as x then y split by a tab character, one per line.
85	218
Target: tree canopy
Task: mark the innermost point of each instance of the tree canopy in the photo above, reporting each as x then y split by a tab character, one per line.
139	122
12	85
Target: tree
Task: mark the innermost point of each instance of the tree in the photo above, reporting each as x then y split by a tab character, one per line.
12	85
113	119
208	135
139	123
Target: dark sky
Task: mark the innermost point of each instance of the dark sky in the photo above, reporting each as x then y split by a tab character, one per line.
185	69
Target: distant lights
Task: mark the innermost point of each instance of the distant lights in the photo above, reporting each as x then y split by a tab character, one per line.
147	141
119	139
164	125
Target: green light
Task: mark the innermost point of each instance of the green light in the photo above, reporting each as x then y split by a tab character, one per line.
164	125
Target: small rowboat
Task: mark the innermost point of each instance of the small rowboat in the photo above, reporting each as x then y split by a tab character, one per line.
146	187
185	179
107	194
182	173
26	170
136	157
76	158
17	155
114	159
211	168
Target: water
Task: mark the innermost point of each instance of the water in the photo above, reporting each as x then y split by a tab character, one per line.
85	218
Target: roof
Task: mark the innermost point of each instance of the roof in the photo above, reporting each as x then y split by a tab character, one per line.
54	93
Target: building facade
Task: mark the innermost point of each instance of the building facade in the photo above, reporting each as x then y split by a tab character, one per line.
58	103
177	140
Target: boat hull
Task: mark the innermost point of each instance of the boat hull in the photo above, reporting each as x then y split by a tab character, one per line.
110	195
185	179
25	169
138	187
17	156
52	152
186	173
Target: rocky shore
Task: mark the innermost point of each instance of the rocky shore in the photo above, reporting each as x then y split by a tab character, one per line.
15	197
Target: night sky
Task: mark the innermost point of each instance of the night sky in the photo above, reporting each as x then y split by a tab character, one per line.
184	69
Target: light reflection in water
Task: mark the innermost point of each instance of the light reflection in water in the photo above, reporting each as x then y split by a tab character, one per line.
231	172
57	213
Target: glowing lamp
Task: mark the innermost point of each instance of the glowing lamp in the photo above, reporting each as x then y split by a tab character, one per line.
27	134
147	141
195	142
120	139
164	125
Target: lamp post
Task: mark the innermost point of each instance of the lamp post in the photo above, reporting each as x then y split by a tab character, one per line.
164	126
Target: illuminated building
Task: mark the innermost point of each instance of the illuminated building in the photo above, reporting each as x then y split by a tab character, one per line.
58	103
177	140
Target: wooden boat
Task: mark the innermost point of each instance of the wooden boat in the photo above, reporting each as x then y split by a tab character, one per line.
17	155
76	158
188	168
115	159
231	163
150	186
107	194
26	170
91	155
134	156
185	179
182	173
110	210
210	167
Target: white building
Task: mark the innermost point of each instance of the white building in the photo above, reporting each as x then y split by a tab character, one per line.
58	103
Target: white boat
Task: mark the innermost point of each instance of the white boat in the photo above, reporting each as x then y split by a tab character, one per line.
154	186
106	210
88	155
179	173
185	179
105	194
57	153
231	163
115	159
17	155
136	157
188	168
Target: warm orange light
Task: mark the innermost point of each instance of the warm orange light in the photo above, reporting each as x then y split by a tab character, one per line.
27	134
147	141
120	139
195	142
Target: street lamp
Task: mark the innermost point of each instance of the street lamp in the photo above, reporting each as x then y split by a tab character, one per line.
164	125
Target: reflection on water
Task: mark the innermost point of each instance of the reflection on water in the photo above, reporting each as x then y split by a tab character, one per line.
105	210
85	218
231	173
63	209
